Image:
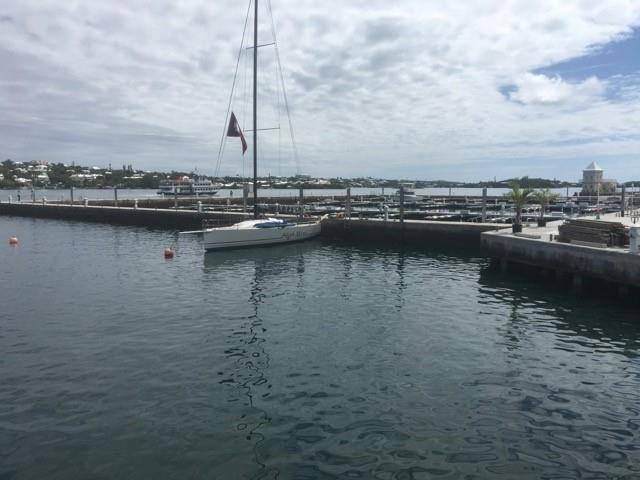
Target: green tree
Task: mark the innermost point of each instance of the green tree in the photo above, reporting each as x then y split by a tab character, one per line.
149	181
544	197
58	174
519	197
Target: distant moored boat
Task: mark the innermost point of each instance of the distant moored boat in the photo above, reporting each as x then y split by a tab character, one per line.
187	186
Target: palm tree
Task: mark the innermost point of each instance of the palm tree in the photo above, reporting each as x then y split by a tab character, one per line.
544	197
519	198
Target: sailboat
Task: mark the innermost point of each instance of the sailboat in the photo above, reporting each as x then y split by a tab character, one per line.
259	231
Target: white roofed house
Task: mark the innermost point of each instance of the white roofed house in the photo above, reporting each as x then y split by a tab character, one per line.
593	182
42	178
23	182
84	178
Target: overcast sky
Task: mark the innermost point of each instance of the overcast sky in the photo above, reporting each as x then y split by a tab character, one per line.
447	89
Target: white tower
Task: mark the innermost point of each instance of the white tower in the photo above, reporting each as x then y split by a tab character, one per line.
591	179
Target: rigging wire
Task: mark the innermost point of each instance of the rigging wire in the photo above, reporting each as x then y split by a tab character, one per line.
284	92
224	131
278	110
244	100
279	73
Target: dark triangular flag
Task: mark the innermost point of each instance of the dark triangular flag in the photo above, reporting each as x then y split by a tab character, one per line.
235	131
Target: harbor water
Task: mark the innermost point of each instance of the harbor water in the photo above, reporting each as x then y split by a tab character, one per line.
316	360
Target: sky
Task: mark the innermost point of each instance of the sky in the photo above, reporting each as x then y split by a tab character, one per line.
449	89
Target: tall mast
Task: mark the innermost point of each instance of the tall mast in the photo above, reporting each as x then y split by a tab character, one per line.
255	109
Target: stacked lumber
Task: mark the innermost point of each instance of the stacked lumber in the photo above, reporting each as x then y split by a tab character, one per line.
611	234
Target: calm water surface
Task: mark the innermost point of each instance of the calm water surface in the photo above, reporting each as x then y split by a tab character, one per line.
309	361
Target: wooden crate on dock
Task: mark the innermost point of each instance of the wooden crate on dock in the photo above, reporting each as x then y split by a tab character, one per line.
611	234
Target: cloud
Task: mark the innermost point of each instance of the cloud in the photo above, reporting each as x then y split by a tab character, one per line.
540	89
405	89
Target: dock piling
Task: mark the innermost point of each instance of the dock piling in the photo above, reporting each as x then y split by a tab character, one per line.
484	204
634	240
348	203
301	202
401	203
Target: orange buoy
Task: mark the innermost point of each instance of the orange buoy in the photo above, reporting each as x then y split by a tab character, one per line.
13	240
168	253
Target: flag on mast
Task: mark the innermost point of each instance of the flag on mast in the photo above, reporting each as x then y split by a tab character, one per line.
235	131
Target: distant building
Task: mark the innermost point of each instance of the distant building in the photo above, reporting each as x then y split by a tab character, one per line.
593	182
42	178
22	181
84	178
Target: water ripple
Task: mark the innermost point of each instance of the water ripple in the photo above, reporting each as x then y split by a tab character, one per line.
315	360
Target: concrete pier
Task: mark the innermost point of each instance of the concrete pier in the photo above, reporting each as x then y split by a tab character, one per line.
612	265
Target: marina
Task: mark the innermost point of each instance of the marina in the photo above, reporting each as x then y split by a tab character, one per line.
430	277
467	221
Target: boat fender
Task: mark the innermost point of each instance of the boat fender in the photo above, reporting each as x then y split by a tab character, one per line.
168	253
13	240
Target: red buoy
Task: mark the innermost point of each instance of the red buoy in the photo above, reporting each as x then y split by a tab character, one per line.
13	240
168	253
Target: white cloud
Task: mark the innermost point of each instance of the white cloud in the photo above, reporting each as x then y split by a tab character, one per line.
403	88
540	89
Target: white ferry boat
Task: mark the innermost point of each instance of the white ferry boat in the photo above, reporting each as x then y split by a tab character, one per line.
188	186
409	193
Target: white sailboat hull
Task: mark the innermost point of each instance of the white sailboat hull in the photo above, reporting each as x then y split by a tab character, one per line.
237	236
